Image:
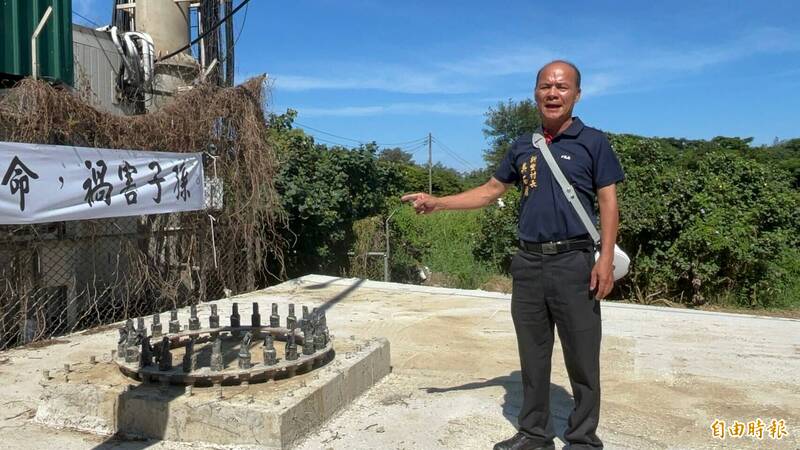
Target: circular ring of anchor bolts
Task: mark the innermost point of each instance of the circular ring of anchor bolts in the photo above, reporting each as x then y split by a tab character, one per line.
205	360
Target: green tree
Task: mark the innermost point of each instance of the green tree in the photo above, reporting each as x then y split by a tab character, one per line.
444	180
785	155
476	178
732	143
397	155
504	123
325	190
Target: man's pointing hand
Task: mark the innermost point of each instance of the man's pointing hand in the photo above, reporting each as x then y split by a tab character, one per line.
423	203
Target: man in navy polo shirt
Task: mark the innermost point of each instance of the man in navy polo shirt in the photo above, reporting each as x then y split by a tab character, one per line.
556	281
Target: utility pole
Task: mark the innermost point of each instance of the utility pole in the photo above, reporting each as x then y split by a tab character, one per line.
229	41
430	167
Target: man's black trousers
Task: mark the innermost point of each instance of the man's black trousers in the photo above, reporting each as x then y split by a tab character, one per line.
553	290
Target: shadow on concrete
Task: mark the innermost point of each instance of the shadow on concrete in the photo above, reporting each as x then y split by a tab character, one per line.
561	402
137	420
341	296
322	285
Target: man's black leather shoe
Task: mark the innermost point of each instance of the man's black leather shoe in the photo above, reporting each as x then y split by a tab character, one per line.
521	442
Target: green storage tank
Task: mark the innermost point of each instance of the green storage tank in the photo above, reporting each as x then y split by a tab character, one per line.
18	20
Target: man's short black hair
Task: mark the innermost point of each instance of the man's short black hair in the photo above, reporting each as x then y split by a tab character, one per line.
562	61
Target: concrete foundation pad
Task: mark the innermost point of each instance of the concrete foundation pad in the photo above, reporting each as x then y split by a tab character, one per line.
99	399
667	375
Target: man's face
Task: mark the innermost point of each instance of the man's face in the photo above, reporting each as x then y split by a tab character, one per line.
556	93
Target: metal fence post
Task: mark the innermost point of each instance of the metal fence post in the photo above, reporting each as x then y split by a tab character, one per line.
386	255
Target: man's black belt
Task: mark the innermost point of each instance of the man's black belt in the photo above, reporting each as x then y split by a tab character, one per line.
555	247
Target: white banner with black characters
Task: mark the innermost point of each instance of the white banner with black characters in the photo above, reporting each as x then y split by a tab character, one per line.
51	183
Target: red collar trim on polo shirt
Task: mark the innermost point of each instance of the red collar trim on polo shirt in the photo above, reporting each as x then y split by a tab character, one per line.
573	130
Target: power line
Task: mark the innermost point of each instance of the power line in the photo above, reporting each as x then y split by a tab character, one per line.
206	32
329	134
327	141
244	20
361	142
76	13
228	45
459	160
413	146
386	144
410	149
454	154
413	150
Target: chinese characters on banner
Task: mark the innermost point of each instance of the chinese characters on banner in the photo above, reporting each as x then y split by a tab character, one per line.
49	183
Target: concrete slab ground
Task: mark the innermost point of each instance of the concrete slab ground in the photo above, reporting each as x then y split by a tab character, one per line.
98	398
667	374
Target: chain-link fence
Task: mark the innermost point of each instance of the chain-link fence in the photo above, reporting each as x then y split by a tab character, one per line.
62	277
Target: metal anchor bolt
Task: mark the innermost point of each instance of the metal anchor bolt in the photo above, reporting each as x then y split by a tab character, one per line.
174	325
155	327
213	320
274	318
255	318
194	322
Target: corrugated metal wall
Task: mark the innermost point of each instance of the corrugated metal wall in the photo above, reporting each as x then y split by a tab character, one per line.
18	20
97	64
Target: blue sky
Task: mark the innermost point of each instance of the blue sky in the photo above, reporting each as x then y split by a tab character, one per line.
393	71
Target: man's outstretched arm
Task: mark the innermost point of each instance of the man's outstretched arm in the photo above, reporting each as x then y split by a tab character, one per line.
475	198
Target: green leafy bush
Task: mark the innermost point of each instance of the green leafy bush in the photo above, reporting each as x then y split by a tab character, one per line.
325	190
704	225
414	178
369	236
497	241
443	242
704	222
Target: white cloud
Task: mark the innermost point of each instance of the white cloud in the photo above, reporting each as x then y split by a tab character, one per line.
455	77
624	69
389	79
460	109
644	68
497	62
609	67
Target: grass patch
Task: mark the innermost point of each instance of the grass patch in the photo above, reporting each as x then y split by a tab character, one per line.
443	242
